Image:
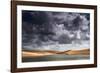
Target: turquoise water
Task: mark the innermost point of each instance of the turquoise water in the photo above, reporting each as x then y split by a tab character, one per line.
57	57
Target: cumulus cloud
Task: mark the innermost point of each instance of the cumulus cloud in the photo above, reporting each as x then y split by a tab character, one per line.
42	29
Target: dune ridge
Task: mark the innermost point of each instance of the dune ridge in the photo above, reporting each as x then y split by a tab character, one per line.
35	53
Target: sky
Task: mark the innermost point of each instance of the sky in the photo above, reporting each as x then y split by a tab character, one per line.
45	30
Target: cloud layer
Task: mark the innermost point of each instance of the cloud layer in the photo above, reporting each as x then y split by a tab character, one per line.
42	28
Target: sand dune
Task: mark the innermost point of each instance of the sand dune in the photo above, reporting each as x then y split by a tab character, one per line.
52	52
35	54
78	52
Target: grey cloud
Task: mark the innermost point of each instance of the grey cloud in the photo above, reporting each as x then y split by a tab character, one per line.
41	28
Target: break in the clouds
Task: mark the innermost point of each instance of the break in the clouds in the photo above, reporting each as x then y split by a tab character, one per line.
45	30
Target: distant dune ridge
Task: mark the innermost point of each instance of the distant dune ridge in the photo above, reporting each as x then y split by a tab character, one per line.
79	52
35	53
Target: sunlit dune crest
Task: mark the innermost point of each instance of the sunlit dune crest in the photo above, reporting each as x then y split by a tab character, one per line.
78	52
34	54
53	52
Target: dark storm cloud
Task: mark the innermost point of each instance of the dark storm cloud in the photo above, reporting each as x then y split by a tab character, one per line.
45	28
